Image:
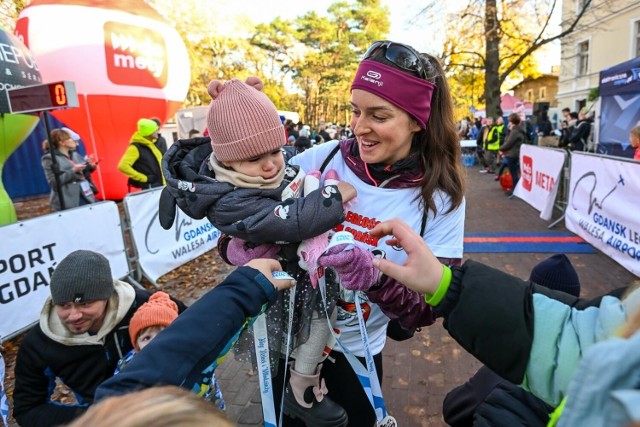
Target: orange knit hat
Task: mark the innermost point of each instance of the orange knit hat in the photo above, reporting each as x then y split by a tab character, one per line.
158	311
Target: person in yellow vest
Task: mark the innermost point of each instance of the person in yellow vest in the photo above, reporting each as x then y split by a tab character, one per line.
494	140
142	160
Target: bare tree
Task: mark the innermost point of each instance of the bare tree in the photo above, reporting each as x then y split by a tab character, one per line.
511	31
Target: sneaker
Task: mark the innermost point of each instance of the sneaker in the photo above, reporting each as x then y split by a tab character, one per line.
497	178
483	171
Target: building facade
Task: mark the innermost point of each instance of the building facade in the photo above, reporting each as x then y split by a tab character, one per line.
608	34
540	89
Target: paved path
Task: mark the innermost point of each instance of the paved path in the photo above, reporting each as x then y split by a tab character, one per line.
419	372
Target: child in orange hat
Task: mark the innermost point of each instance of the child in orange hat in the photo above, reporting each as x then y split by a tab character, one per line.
147	322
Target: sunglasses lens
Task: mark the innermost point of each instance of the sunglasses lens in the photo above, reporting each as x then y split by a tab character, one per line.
372	49
403	57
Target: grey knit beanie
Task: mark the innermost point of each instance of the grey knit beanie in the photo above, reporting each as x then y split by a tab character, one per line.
81	276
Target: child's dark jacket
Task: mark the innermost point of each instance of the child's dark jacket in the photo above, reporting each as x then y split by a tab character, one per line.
254	215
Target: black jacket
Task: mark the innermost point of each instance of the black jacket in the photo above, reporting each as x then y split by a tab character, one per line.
252	214
511	146
490	314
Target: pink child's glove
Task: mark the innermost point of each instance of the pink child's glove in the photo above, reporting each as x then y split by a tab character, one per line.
239	252
354	266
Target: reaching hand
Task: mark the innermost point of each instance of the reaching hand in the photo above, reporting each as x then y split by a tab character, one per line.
354	266
421	271
240	252
267	267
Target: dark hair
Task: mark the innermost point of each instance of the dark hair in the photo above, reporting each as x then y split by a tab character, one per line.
193	132
573	115
57	136
515	118
438	144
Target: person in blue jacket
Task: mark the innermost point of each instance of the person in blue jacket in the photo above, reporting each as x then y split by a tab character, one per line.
579	356
191	347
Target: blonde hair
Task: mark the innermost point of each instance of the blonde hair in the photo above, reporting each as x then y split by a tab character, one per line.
635	132
166	406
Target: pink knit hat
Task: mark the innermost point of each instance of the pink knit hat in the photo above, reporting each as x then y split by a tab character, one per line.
243	122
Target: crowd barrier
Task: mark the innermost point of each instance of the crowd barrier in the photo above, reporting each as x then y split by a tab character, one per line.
597	195
156	250
32	248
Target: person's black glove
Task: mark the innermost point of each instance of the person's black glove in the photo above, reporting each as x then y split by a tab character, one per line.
151	178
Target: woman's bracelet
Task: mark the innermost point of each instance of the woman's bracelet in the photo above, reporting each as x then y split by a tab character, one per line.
442	289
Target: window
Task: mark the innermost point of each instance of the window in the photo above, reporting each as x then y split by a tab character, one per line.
636	38
543	93
583	58
530	95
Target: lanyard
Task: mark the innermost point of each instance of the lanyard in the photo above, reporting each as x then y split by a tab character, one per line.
261	345
368	377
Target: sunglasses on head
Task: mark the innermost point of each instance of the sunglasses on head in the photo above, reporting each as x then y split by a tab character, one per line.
400	55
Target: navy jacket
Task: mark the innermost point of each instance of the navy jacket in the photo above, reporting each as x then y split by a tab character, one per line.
185	353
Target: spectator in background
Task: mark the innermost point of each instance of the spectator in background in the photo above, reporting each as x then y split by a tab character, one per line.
91	161
634	138
544	125
75	190
493	143
83	331
141	161
302	143
324	135
510	150
193	133
481	143
161	143
580	134
564	134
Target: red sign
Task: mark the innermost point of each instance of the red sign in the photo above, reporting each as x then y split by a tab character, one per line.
527	172
135	56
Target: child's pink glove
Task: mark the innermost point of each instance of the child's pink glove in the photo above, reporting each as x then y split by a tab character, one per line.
354	266
240	252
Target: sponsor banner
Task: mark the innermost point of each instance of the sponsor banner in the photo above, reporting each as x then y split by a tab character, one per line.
160	250
540	170
31	250
603	207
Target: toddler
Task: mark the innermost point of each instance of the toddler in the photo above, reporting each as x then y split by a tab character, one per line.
241	182
147	322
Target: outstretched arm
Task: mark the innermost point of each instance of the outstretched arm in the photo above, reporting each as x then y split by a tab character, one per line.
190	348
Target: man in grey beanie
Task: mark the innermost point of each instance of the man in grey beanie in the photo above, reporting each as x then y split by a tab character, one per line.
82	333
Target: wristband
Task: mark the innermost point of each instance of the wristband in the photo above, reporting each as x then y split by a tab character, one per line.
442	289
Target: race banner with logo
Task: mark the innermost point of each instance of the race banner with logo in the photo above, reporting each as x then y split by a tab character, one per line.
540	170
603	207
31	249
160	250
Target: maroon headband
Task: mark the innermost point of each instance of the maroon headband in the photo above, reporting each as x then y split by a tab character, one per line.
403	90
